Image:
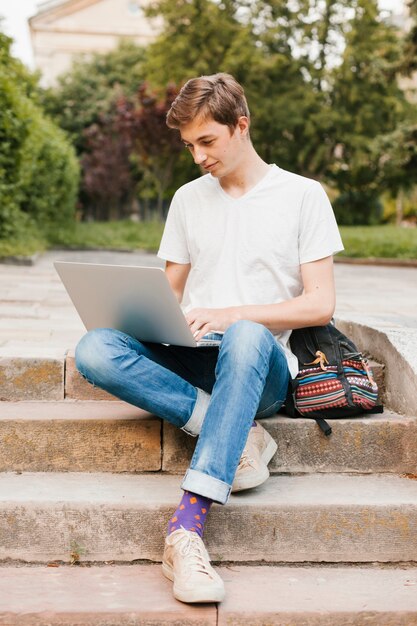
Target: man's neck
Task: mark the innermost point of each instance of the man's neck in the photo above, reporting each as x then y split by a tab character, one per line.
250	170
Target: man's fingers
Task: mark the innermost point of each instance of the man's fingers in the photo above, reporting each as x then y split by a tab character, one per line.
203	331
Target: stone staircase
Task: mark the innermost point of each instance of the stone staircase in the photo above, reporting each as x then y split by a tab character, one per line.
87	484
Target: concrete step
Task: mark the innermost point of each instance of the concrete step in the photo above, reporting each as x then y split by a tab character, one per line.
79	437
291	519
107	436
53	376
32	378
384	442
139	595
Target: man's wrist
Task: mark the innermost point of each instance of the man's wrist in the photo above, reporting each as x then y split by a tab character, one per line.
237	313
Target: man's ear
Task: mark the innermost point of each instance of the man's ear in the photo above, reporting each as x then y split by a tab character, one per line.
243	125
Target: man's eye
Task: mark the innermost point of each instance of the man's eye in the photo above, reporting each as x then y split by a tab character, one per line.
208	142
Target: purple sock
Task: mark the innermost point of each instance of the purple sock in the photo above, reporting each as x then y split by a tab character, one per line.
253	424
191	513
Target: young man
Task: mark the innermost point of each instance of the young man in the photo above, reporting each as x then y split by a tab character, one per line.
248	250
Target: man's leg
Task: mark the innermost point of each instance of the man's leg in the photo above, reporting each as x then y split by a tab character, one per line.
251	377
168	381
154	378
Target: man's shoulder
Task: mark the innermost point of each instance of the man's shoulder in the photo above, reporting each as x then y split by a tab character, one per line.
202	183
300	182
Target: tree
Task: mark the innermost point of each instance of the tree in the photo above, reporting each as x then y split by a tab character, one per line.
251	41
198	37
89	89
320	75
409	62
108	181
155	147
367	103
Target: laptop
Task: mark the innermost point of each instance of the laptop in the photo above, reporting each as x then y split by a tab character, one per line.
136	300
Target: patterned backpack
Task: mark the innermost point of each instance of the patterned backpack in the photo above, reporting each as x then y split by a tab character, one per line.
334	379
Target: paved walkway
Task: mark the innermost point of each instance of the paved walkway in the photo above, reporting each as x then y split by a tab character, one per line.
37	317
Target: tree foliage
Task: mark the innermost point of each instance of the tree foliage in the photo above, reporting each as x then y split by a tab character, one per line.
409	61
155	148
366	103
108	180
321	80
86	93
38	168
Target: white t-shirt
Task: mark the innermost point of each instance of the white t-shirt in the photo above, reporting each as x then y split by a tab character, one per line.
248	250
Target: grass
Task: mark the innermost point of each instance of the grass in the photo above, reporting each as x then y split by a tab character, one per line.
385	242
119	235
359	241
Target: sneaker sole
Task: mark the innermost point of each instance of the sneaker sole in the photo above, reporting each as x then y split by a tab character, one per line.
190	596
269	451
254	480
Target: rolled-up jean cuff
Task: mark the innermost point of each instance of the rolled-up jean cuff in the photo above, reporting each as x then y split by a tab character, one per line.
206	486
194	424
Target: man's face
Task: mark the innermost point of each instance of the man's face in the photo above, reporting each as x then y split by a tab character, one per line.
214	146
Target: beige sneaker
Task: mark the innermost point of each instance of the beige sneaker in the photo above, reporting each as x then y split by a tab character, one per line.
252	469
186	562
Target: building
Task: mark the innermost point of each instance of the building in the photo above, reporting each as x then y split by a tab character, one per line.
64	28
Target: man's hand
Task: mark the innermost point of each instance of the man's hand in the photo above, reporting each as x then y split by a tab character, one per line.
203	321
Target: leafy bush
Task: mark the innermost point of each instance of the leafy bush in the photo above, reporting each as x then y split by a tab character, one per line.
38	168
355	208
49	176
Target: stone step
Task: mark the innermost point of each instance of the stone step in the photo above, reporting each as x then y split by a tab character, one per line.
53	376
78	437
102	436
384	442
107	436
290	519
139	595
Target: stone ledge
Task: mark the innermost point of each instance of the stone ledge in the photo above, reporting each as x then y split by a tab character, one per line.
25	261
137	595
380	443
78	437
318	596
140	595
296	519
397	349
31	378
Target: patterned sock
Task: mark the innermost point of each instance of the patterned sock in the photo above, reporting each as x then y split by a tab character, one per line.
191	513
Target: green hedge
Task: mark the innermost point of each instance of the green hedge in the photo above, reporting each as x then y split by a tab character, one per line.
39	172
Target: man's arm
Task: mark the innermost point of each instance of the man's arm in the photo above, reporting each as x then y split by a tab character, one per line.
177	274
314	307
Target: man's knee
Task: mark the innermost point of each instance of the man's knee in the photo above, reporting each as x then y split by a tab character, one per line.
92	350
245	340
247	332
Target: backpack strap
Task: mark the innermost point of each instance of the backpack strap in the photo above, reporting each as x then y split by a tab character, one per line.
327	429
324	426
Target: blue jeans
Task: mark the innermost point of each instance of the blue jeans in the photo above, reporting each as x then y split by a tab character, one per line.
213	392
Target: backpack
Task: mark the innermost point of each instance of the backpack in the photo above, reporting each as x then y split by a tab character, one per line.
334	378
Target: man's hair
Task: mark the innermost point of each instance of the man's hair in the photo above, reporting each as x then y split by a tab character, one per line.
218	96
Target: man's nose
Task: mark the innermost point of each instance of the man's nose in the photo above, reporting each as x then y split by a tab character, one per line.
199	156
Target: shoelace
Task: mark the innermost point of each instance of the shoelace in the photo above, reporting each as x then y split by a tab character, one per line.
192	549
245	460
